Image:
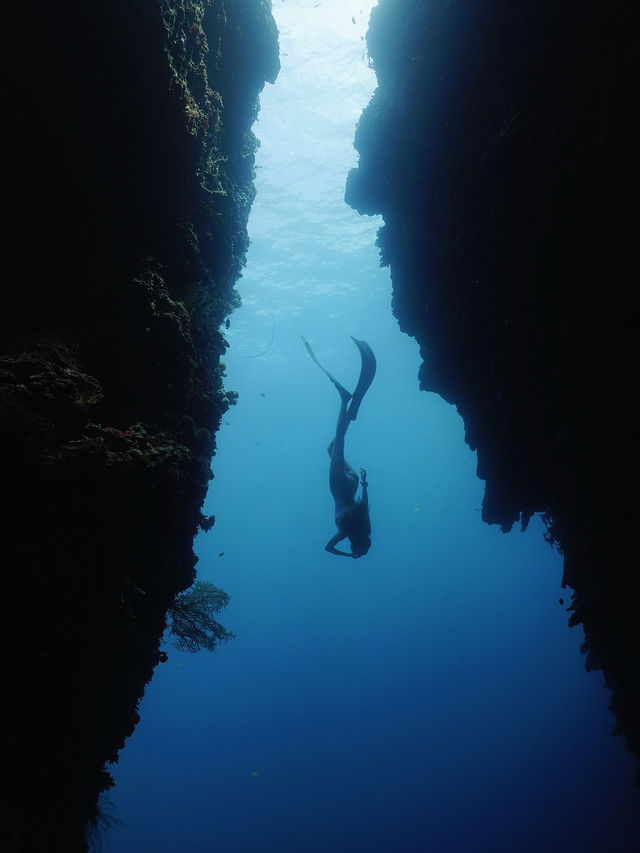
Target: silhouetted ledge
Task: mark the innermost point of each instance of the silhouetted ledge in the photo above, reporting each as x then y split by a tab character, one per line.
128	177
500	148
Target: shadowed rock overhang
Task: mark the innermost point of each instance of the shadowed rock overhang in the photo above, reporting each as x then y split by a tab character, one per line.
129	165
500	148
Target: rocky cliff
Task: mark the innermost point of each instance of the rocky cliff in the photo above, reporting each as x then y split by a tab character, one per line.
128	161
500	147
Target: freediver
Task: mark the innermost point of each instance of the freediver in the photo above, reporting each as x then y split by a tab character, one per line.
351	515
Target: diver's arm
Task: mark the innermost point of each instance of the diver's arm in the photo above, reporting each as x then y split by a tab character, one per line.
364	500
331	545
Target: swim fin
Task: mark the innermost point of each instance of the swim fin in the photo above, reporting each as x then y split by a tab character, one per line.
340	387
367	372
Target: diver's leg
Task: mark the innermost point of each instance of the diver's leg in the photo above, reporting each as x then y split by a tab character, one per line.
341	474
341	464
341	389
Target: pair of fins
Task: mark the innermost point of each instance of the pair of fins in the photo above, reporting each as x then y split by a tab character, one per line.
367	372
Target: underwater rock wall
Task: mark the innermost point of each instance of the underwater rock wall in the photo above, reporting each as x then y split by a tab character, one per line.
129	165
500	147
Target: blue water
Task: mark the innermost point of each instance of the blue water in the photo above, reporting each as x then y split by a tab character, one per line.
427	697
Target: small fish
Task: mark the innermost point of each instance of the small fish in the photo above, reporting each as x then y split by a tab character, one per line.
221	554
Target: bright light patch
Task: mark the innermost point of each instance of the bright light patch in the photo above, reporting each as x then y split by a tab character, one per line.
306	244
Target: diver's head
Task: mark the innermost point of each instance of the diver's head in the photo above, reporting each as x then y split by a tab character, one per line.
357	526
360	545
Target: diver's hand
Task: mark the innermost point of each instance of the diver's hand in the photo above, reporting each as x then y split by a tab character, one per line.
363	477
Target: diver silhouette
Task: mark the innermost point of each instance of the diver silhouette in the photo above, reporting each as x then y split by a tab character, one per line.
351	515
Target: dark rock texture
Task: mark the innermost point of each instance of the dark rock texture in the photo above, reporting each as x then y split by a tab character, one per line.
501	149
128	177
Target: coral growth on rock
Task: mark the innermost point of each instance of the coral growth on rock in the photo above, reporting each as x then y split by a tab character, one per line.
129	159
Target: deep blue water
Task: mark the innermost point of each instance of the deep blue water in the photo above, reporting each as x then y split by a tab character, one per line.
427	697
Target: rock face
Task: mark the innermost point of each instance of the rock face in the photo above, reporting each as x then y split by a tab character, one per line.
128	180
500	148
